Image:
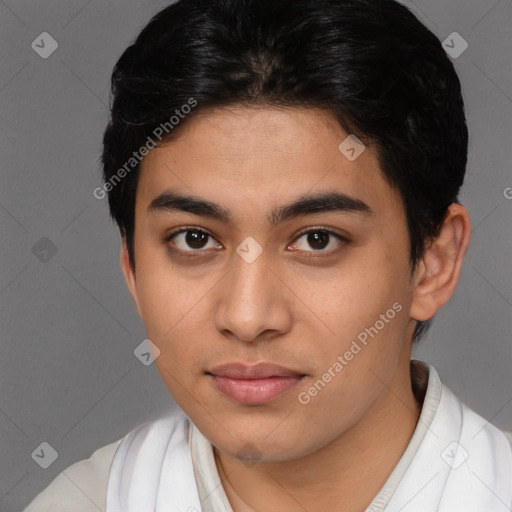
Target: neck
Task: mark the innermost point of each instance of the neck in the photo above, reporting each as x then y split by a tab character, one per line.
349	470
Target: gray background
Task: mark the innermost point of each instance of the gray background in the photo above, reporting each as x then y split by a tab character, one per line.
68	373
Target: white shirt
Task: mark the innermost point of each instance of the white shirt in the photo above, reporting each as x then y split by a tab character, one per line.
420	476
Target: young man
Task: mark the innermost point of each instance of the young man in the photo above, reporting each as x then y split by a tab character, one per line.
284	175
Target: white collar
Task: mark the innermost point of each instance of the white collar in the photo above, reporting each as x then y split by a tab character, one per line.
455	462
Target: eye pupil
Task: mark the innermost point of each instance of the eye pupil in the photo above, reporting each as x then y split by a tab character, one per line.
196	239
318	238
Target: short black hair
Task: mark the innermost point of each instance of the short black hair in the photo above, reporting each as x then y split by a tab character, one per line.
371	63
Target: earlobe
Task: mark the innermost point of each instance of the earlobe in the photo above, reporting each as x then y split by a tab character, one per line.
437	275
129	274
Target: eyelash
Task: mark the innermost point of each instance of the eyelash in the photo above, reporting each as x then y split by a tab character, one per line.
310	254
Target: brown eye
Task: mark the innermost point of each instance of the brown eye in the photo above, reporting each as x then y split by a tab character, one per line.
319	240
196	239
191	240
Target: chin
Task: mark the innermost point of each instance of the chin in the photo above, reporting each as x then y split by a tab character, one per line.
252	448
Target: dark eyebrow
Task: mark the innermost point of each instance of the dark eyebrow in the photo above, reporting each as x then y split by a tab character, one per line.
306	205
323	202
171	201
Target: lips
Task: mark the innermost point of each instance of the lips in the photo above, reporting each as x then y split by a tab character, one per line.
253	385
257	371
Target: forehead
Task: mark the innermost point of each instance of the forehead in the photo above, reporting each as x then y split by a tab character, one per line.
250	158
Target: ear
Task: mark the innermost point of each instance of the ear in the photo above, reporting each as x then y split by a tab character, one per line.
129	274
438	272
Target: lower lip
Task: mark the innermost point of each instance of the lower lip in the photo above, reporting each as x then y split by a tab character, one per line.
255	391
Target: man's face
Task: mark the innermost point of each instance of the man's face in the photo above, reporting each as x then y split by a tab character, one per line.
211	299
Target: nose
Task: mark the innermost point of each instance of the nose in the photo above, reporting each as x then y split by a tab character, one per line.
253	303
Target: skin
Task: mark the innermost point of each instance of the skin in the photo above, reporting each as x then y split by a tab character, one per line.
287	308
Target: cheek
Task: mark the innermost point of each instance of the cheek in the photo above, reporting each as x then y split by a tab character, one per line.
159	308
173	312
354	296
364	307
166	296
